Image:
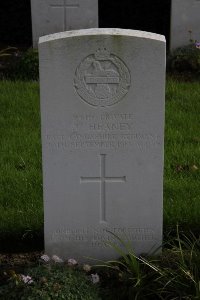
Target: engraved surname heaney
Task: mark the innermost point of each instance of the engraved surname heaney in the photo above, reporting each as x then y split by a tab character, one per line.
102	79
102	179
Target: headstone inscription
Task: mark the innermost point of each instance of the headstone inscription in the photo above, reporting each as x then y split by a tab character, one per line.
102	108
185	22
51	16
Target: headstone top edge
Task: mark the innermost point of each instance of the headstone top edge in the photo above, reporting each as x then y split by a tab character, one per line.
102	31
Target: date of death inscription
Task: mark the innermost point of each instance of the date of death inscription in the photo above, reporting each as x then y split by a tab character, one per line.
104	131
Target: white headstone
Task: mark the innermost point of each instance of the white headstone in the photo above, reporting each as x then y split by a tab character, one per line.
51	16
185	22
102	107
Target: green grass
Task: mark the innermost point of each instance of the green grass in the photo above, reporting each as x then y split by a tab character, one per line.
21	206
20	160
182	155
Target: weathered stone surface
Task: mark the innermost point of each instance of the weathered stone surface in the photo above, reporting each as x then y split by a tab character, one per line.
102	107
51	16
185	22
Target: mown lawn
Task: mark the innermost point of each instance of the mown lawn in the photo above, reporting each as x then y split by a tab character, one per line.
182	155
21	212
21	208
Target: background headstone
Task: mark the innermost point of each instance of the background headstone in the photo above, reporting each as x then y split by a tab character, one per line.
102	108
185	22
51	16
151	16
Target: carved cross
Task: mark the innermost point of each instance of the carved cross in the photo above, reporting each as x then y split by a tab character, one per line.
102	179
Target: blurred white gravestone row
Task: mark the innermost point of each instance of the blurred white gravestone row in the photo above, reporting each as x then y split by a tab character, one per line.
51	16
102	109
185	22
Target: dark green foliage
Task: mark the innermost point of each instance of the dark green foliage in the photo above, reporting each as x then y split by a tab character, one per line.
20	65
184	59
28	66
50	282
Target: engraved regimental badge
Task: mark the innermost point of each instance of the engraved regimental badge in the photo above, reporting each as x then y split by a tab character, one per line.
102	79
